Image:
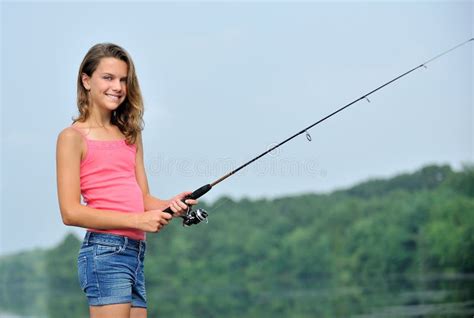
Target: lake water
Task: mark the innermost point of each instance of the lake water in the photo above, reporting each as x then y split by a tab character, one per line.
422	296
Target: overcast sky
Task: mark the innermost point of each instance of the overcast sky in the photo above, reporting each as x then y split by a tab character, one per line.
224	81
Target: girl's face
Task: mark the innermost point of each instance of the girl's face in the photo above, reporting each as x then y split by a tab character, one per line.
108	84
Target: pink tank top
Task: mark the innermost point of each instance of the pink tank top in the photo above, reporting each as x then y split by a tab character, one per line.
108	180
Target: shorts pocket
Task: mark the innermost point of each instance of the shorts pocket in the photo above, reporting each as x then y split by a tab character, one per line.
107	250
82	271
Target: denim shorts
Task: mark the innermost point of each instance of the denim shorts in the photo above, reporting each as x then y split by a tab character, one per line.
110	269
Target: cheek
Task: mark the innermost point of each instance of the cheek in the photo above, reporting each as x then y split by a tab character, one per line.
100	86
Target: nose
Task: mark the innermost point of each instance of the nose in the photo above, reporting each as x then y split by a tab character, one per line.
117	85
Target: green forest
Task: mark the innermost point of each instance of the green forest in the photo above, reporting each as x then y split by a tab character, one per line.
280	257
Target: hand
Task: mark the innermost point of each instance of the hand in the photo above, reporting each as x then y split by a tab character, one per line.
177	205
152	220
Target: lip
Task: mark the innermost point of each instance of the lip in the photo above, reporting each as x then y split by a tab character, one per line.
114	97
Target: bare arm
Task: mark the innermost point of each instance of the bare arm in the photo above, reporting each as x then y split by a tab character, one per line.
69	150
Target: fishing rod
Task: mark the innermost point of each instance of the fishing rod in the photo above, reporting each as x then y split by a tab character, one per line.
196	216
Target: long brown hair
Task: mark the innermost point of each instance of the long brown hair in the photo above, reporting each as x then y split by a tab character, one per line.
128	117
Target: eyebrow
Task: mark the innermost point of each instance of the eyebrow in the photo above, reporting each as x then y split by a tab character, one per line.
106	73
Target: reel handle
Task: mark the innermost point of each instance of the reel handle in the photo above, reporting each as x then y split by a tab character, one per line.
195	195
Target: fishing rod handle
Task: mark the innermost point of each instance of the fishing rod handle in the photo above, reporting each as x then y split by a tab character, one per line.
195	195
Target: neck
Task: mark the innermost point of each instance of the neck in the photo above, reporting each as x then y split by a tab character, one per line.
99	117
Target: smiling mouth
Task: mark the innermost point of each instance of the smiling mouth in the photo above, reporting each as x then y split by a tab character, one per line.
114	97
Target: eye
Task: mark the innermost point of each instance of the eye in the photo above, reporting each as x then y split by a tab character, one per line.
123	80
107	77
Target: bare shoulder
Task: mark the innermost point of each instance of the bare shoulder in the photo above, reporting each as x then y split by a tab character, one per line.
139	141
69	135
70	141
139	137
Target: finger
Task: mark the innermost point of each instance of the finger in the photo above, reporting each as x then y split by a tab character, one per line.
166	216
191	202
175	207
178	206
182	196
182	205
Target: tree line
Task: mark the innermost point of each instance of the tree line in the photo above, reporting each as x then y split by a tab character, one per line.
267	258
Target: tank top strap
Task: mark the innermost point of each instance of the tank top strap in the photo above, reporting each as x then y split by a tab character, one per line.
80	131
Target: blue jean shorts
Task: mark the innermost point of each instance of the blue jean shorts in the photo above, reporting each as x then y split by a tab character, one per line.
111	270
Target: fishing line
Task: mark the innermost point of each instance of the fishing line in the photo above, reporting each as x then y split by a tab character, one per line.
196	216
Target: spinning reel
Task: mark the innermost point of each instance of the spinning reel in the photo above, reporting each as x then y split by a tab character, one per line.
194	217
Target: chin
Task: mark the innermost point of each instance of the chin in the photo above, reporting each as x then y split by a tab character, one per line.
113	106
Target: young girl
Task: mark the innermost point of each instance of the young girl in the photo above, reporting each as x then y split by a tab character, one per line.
100	156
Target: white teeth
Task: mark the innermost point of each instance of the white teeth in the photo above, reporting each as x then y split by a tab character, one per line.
115	97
